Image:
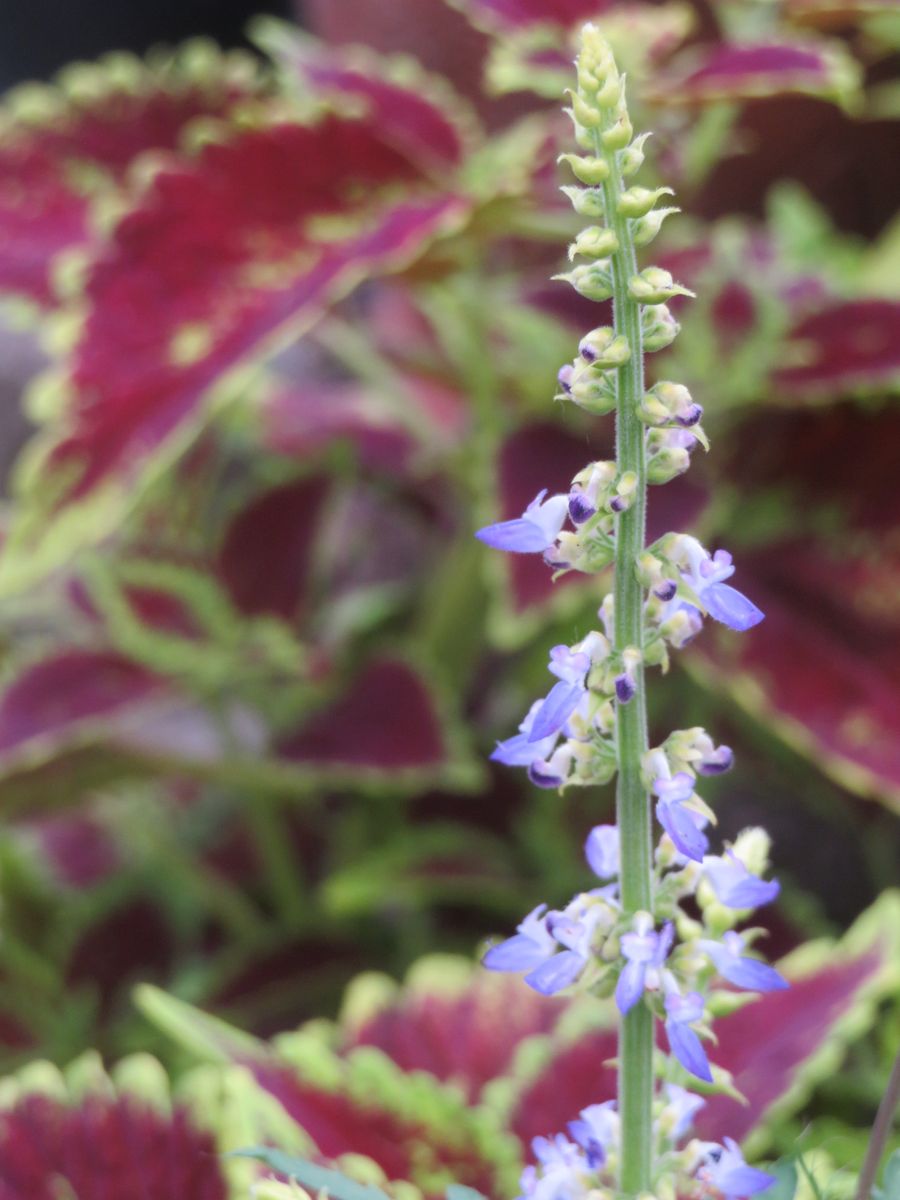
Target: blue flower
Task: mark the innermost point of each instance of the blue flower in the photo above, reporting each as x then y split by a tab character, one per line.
529	947
559	1174
570	665
644	951
681	1108
706	575
522	750
535	531
726	1170
728	958
601	849
596	1131
735	886
681	1013
553	947
680	822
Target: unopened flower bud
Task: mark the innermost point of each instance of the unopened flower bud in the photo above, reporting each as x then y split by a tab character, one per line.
646	228
603	348
591	280
618	135
587	202
626	489
626	682
682	627
677	402
584	114
592	391
588	169
594	242
638	201
669	463
752	847
655	286
609	95
659	327
633	156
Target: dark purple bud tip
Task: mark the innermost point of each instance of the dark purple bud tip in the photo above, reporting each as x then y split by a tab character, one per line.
666	591
564	378
580	508
543	778
624	689
552	559
690	416
717	763
587	352
618	504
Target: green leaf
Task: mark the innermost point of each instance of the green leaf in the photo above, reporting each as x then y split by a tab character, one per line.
314	1177
785	1187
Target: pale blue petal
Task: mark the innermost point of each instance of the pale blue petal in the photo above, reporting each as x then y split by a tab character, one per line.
750	973
750	892
556	973
518	953
744	1181
679	825
688	1049
519	536
731	607
560	703
630	986
516	752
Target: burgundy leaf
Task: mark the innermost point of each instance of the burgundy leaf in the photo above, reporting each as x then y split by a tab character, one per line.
218	257
465	1031
735	72
847	347
66	144
386	720
505	15
98	1148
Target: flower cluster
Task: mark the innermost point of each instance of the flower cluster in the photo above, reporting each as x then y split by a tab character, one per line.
636	936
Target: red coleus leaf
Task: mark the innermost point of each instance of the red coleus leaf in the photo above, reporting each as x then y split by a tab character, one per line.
100	1148
735	72
852	346
386	720
265	556
777	1047
835	14
417	113
460	1024
80	715
221	258
504	15
65	145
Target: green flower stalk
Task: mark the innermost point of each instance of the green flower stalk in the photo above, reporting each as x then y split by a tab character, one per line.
630	937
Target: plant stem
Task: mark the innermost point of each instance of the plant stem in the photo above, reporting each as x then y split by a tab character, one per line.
632	801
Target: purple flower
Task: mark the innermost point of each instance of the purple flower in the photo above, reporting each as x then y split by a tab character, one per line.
601	849
528	948
706	575
729	960
596	1130
716	762
570	666
551	772
679	822
681	1108
559	1174
681	1013
532	533
645	951
735	886
521	750
726	1170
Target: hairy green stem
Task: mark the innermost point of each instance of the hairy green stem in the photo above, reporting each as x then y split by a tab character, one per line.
632	801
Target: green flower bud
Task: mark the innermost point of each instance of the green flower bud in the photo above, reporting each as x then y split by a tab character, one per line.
633	156
655	286
603	348
645	228
618	135
592	391
659	327
594	242
610	94
652	411
669	463
584	114
638	201
588	169
587	202
752	847
591	280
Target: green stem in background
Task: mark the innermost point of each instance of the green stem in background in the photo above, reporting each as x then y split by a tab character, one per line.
632	801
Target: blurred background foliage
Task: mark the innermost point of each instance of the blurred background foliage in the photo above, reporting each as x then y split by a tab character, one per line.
282	323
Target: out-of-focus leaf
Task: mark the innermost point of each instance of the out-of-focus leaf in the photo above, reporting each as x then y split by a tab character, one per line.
845	348
223	259
504	16
68	145
451	1018
835	14
740	72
